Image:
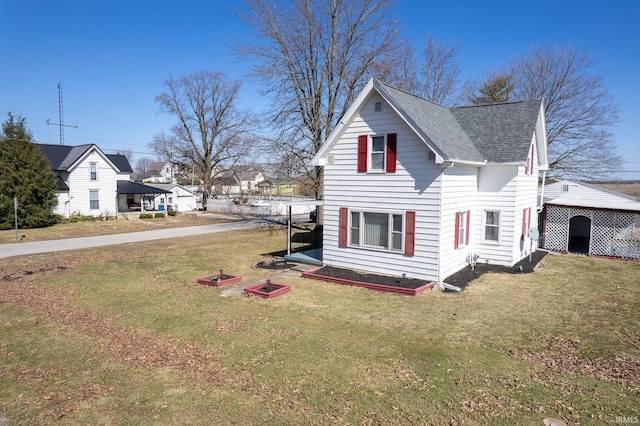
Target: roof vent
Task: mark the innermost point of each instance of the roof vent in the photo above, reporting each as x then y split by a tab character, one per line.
565	187
377	107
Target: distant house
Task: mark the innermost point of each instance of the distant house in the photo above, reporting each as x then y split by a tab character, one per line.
177	198
92	183
411	187
582	218
159	172
87	178
238	180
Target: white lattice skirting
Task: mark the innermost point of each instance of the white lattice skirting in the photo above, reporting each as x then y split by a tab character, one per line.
612	233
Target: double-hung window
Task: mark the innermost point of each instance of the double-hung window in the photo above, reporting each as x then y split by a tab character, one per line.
462	229
492	225
377	153
93	171
392	231
377	230
94	199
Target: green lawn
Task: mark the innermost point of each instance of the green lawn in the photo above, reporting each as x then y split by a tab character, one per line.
124	335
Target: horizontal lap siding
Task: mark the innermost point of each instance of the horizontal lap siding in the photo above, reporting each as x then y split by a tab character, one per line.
459	192
526	197
413	187
79	186
498	192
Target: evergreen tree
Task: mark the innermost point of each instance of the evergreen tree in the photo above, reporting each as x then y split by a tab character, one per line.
26	175
496	89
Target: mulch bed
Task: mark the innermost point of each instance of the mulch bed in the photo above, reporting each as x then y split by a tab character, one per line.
351	275
275	265
463	277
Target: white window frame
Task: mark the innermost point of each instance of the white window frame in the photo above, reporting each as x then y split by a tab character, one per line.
93	170
97	199
462	229
485	225
383	153
360	229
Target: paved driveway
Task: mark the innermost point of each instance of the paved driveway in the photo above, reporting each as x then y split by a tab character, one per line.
35	247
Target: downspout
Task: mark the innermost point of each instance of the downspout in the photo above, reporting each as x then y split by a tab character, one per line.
544	176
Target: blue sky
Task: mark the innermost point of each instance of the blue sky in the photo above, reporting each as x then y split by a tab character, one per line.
112	56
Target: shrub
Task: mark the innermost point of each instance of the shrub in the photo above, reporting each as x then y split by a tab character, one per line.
172	212
145	216
159	215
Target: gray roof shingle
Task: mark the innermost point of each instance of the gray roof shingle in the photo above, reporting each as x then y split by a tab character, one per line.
497	133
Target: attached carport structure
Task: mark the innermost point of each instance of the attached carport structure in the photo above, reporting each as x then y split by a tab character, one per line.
582	218
138	193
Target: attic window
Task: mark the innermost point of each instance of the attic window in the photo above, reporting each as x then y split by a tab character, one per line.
377	107
565	187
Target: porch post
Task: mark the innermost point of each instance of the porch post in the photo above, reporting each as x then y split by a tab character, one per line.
289	233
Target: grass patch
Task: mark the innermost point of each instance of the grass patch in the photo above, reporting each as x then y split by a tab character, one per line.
100	227
126	335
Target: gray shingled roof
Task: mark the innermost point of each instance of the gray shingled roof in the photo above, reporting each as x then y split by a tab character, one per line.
496	133
501	132
437	124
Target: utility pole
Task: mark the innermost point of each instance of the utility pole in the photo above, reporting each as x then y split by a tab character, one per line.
61	124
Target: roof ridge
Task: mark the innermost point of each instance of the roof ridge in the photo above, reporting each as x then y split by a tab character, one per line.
496	104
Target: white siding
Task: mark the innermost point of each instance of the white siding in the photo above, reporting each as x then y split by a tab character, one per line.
415	186
526	197
459	193
497	192
80	185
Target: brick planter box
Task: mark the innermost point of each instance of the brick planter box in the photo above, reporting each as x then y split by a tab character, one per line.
377	287
268	289
219	279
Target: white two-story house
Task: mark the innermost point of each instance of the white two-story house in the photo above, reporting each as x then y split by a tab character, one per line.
87	178
411	187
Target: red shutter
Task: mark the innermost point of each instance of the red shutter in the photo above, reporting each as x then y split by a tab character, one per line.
410	234
455	244
343	226
528	220
391	152
363	140
466	236
524	222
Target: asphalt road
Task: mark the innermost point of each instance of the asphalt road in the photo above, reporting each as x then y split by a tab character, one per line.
48	246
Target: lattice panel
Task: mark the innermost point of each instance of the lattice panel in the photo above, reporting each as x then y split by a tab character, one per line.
626	240
602	227
557	229
612	234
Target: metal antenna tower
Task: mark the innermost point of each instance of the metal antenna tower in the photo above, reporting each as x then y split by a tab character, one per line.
61	124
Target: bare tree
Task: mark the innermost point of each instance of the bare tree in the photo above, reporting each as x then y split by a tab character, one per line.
126	152
313	57
211	131
579	109
142	165
439	74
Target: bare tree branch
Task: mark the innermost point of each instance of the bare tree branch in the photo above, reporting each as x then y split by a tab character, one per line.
579	109
312	57
210	131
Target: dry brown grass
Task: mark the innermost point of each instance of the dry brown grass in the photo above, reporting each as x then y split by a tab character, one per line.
632	189
124	335
104	227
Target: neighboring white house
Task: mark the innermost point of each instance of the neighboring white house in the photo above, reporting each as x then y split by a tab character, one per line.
582	218
178	198
86	178
411	187
238	180
92	183
160	172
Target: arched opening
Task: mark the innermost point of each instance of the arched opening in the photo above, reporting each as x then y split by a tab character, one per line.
579	234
